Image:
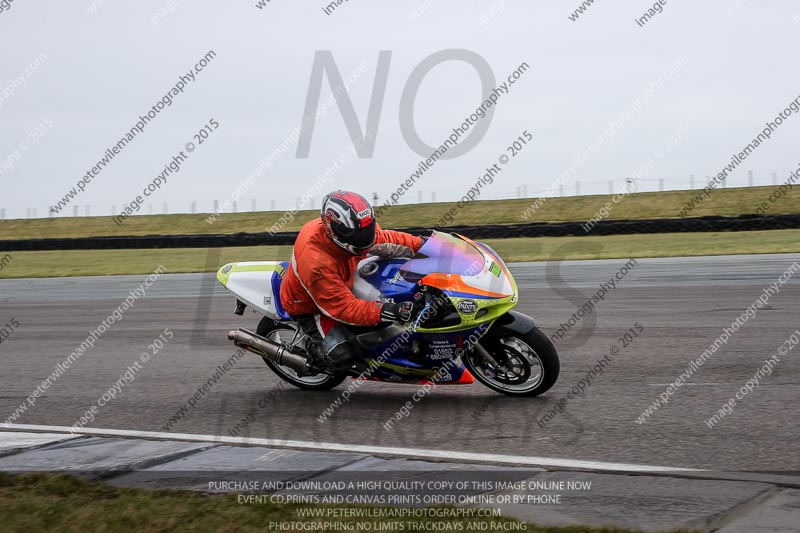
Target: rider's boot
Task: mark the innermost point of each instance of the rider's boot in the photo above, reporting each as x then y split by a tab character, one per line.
338	351
334	354
313	343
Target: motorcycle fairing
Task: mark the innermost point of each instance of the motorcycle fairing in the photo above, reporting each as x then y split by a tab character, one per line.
257	284
470	274
381	279
394	360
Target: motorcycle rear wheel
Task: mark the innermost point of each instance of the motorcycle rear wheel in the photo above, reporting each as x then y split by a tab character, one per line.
281	332
528	364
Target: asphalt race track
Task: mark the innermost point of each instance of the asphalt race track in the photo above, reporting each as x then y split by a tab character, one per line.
682	304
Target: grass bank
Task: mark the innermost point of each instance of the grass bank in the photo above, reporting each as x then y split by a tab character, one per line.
635	206
114	262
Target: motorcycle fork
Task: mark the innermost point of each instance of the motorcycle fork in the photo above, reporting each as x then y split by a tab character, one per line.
486	355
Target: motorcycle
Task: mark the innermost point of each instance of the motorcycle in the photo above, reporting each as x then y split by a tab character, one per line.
467	329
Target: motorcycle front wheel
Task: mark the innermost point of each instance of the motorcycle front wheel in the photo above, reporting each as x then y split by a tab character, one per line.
283	333
524	365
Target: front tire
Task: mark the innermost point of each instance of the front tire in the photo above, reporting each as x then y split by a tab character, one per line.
283	332
528	364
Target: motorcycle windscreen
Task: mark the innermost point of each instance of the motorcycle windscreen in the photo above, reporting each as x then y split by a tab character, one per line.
443	253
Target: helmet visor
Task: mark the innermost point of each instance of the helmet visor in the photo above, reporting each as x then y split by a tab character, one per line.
358	238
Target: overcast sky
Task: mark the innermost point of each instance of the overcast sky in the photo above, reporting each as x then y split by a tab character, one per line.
103	69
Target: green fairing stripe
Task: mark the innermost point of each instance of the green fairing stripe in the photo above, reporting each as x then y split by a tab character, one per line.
497	259
236	267
496	308
402	369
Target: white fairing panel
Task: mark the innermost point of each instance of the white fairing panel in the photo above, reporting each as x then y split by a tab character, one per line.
361	288
251	282
496	282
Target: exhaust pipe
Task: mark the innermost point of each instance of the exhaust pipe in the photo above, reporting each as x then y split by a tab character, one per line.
247	340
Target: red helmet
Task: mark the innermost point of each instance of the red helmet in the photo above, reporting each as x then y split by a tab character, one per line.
349	221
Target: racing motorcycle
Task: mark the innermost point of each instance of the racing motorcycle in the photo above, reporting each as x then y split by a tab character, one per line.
467	329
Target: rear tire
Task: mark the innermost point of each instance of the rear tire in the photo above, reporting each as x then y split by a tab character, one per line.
320	382
530	362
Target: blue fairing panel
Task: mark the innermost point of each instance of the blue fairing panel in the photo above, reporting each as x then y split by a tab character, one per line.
277	280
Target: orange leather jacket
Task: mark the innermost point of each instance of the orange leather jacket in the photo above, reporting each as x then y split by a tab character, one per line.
321	275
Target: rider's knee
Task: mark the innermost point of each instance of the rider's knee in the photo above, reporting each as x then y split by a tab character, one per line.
337	347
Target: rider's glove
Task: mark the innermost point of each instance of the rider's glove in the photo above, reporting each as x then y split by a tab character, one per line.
389	250
402	312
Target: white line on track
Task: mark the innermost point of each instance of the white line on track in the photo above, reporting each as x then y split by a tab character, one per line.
11	441
708	384
408	453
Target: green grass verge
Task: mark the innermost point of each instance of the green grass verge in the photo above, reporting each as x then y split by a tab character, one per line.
113	262
636	206
44	502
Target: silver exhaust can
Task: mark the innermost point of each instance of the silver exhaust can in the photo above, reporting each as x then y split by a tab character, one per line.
270	350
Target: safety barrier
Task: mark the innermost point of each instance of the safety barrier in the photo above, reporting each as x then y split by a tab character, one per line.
496	231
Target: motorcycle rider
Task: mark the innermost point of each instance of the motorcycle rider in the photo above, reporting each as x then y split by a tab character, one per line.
316	289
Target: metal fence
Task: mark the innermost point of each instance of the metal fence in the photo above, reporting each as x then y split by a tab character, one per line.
575	188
